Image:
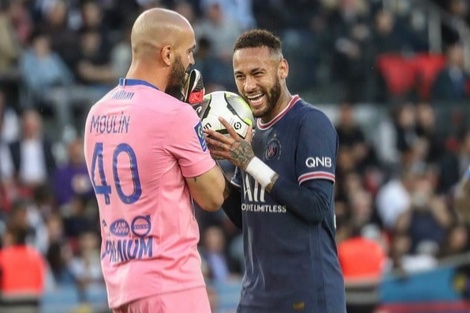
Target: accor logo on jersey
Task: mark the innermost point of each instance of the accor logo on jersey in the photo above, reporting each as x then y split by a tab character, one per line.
120	228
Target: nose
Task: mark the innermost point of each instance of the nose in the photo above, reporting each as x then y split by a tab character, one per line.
191	59
249	84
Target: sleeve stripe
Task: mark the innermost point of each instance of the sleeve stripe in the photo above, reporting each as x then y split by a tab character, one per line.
235	184
316	175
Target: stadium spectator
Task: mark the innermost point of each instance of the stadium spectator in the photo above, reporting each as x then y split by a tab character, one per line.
59	253
41	68
428	218
31	155
220	30
456	242
394	197
453	81
71	179
10	48
9	125
351	135
64	40
22	273
85	266
363	262
213	252
461	197
426	129
25	214
454	163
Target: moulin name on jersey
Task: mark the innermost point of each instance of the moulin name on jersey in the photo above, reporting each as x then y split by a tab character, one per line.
255	198
110	124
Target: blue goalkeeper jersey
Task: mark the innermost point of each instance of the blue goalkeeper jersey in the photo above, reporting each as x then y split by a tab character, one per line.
291	265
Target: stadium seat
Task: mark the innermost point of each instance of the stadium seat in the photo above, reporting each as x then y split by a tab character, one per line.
398	73
60	300
427	67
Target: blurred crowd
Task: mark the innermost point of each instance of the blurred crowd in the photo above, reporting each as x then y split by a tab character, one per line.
394	188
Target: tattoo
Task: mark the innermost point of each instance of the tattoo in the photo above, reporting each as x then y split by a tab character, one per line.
241	153
195	179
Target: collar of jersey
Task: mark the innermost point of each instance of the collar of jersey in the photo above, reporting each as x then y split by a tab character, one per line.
135	82
279	116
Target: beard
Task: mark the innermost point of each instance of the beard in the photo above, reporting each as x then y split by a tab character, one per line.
272	97
177	79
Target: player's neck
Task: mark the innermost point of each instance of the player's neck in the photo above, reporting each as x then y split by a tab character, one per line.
284	100
142	72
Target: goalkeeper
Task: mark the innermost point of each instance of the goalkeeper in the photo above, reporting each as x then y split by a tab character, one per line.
148	161
282	193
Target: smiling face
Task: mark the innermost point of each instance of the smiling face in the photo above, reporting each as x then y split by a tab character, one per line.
260	78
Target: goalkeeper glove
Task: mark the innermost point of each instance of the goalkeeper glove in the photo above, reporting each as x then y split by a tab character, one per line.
193	89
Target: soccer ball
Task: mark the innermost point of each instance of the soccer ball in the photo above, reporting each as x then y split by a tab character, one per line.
228	105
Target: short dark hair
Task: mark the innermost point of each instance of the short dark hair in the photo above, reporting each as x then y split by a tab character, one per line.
257	38
19	234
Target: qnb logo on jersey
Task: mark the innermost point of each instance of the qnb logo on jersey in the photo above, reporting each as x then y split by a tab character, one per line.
312	162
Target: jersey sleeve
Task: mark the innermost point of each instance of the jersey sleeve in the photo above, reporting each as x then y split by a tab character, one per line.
317	148
236	180
187	143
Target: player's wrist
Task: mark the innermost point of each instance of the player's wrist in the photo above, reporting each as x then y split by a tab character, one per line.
260	171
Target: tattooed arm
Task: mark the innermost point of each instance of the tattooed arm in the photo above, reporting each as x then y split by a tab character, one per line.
234	149
308	202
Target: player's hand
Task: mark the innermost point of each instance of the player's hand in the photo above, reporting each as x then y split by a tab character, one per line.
231	147
193	89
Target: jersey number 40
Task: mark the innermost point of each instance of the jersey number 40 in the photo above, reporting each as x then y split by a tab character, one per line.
105	189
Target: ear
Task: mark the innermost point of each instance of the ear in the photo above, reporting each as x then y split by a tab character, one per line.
166	55
283	69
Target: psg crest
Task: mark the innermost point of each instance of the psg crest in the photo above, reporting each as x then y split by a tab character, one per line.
273	149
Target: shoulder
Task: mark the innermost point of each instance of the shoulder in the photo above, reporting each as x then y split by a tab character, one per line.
312	115
159	101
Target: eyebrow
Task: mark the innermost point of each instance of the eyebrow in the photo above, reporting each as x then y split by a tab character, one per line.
256	69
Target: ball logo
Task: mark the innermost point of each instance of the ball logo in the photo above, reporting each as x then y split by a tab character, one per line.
237	125
141	225
311	162
119	228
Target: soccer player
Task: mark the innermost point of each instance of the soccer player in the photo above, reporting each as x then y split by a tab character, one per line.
147	159
286	177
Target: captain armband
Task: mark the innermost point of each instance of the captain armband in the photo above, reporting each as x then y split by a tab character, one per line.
262	173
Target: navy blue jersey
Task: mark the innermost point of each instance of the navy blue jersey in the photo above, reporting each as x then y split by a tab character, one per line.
291	265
